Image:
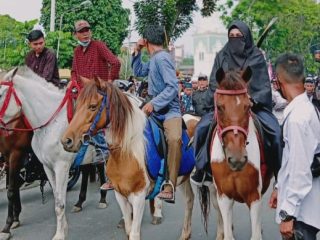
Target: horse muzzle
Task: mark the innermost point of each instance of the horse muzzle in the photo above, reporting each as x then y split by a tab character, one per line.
237	163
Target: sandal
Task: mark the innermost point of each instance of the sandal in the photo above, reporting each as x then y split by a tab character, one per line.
167	194
107	186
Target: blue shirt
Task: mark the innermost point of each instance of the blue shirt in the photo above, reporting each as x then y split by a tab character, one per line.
162	82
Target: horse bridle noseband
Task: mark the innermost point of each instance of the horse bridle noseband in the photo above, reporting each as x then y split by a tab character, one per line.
236	129
87	137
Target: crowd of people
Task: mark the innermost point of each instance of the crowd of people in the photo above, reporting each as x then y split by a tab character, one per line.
290	96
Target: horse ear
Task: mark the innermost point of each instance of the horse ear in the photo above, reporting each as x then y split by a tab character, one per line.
246	74
85	81
220	75
99	83
10	75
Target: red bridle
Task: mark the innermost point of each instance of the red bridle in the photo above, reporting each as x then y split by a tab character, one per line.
236	129
11	91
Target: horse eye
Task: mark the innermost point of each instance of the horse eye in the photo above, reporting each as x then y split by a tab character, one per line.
93	107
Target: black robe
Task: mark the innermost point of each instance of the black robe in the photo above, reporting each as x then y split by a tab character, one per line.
259	85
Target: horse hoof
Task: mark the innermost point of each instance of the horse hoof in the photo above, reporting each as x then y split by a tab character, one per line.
102	205
156	220
76	209
15	224
121	223
5	236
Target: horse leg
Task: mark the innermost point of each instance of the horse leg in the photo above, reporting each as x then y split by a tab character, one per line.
61	172
138	203
225	205
16	209
156	210
126	210
13	195
85	170
103	194
214	200
255	215
189	199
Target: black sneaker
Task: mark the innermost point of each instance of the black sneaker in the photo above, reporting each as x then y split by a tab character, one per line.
200	178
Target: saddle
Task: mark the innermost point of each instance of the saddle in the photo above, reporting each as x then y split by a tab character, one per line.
156	152
157	148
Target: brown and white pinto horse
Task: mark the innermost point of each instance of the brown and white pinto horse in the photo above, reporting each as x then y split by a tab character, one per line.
126	166
236	155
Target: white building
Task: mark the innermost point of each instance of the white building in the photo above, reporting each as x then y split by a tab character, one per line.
210	37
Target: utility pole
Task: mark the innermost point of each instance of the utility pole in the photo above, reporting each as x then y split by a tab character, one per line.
52	15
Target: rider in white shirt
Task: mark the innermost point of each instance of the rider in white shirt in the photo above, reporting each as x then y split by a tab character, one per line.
298	193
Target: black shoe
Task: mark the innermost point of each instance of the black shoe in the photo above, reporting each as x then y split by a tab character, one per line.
200	178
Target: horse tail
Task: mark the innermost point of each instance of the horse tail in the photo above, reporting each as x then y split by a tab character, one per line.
152	207
204	200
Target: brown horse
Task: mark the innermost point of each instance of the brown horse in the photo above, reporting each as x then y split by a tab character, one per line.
126	165
237	159
14	146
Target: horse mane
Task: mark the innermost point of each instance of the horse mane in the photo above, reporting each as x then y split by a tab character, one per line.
232	81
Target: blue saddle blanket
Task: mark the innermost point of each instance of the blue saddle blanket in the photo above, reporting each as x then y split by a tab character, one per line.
152	134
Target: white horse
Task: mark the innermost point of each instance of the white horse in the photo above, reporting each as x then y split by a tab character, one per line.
40	100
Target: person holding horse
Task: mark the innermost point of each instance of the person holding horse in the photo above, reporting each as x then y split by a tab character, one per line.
296	195
40	59
93	59
240	53
163	87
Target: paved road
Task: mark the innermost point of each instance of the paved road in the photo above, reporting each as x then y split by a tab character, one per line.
38	221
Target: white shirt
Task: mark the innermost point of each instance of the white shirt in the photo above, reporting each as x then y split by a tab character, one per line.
279	104
298	191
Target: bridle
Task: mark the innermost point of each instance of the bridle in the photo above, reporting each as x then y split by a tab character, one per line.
87	137
69	96
11	92
236	129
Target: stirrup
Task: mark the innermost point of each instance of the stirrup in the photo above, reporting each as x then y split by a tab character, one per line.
166	183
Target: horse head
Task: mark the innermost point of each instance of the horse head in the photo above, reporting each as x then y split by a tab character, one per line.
232	112
99	104
10	105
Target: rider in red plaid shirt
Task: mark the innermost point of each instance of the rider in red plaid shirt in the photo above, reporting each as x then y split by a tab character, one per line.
92	58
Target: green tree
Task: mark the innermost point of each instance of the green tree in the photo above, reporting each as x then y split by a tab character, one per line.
296	30
108	19
12	41
174	15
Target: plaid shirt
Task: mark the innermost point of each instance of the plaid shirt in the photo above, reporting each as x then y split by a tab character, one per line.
45	65
95	61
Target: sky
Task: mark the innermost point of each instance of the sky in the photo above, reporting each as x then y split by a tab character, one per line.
25	10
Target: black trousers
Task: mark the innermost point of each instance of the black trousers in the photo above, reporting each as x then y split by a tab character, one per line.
304	231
